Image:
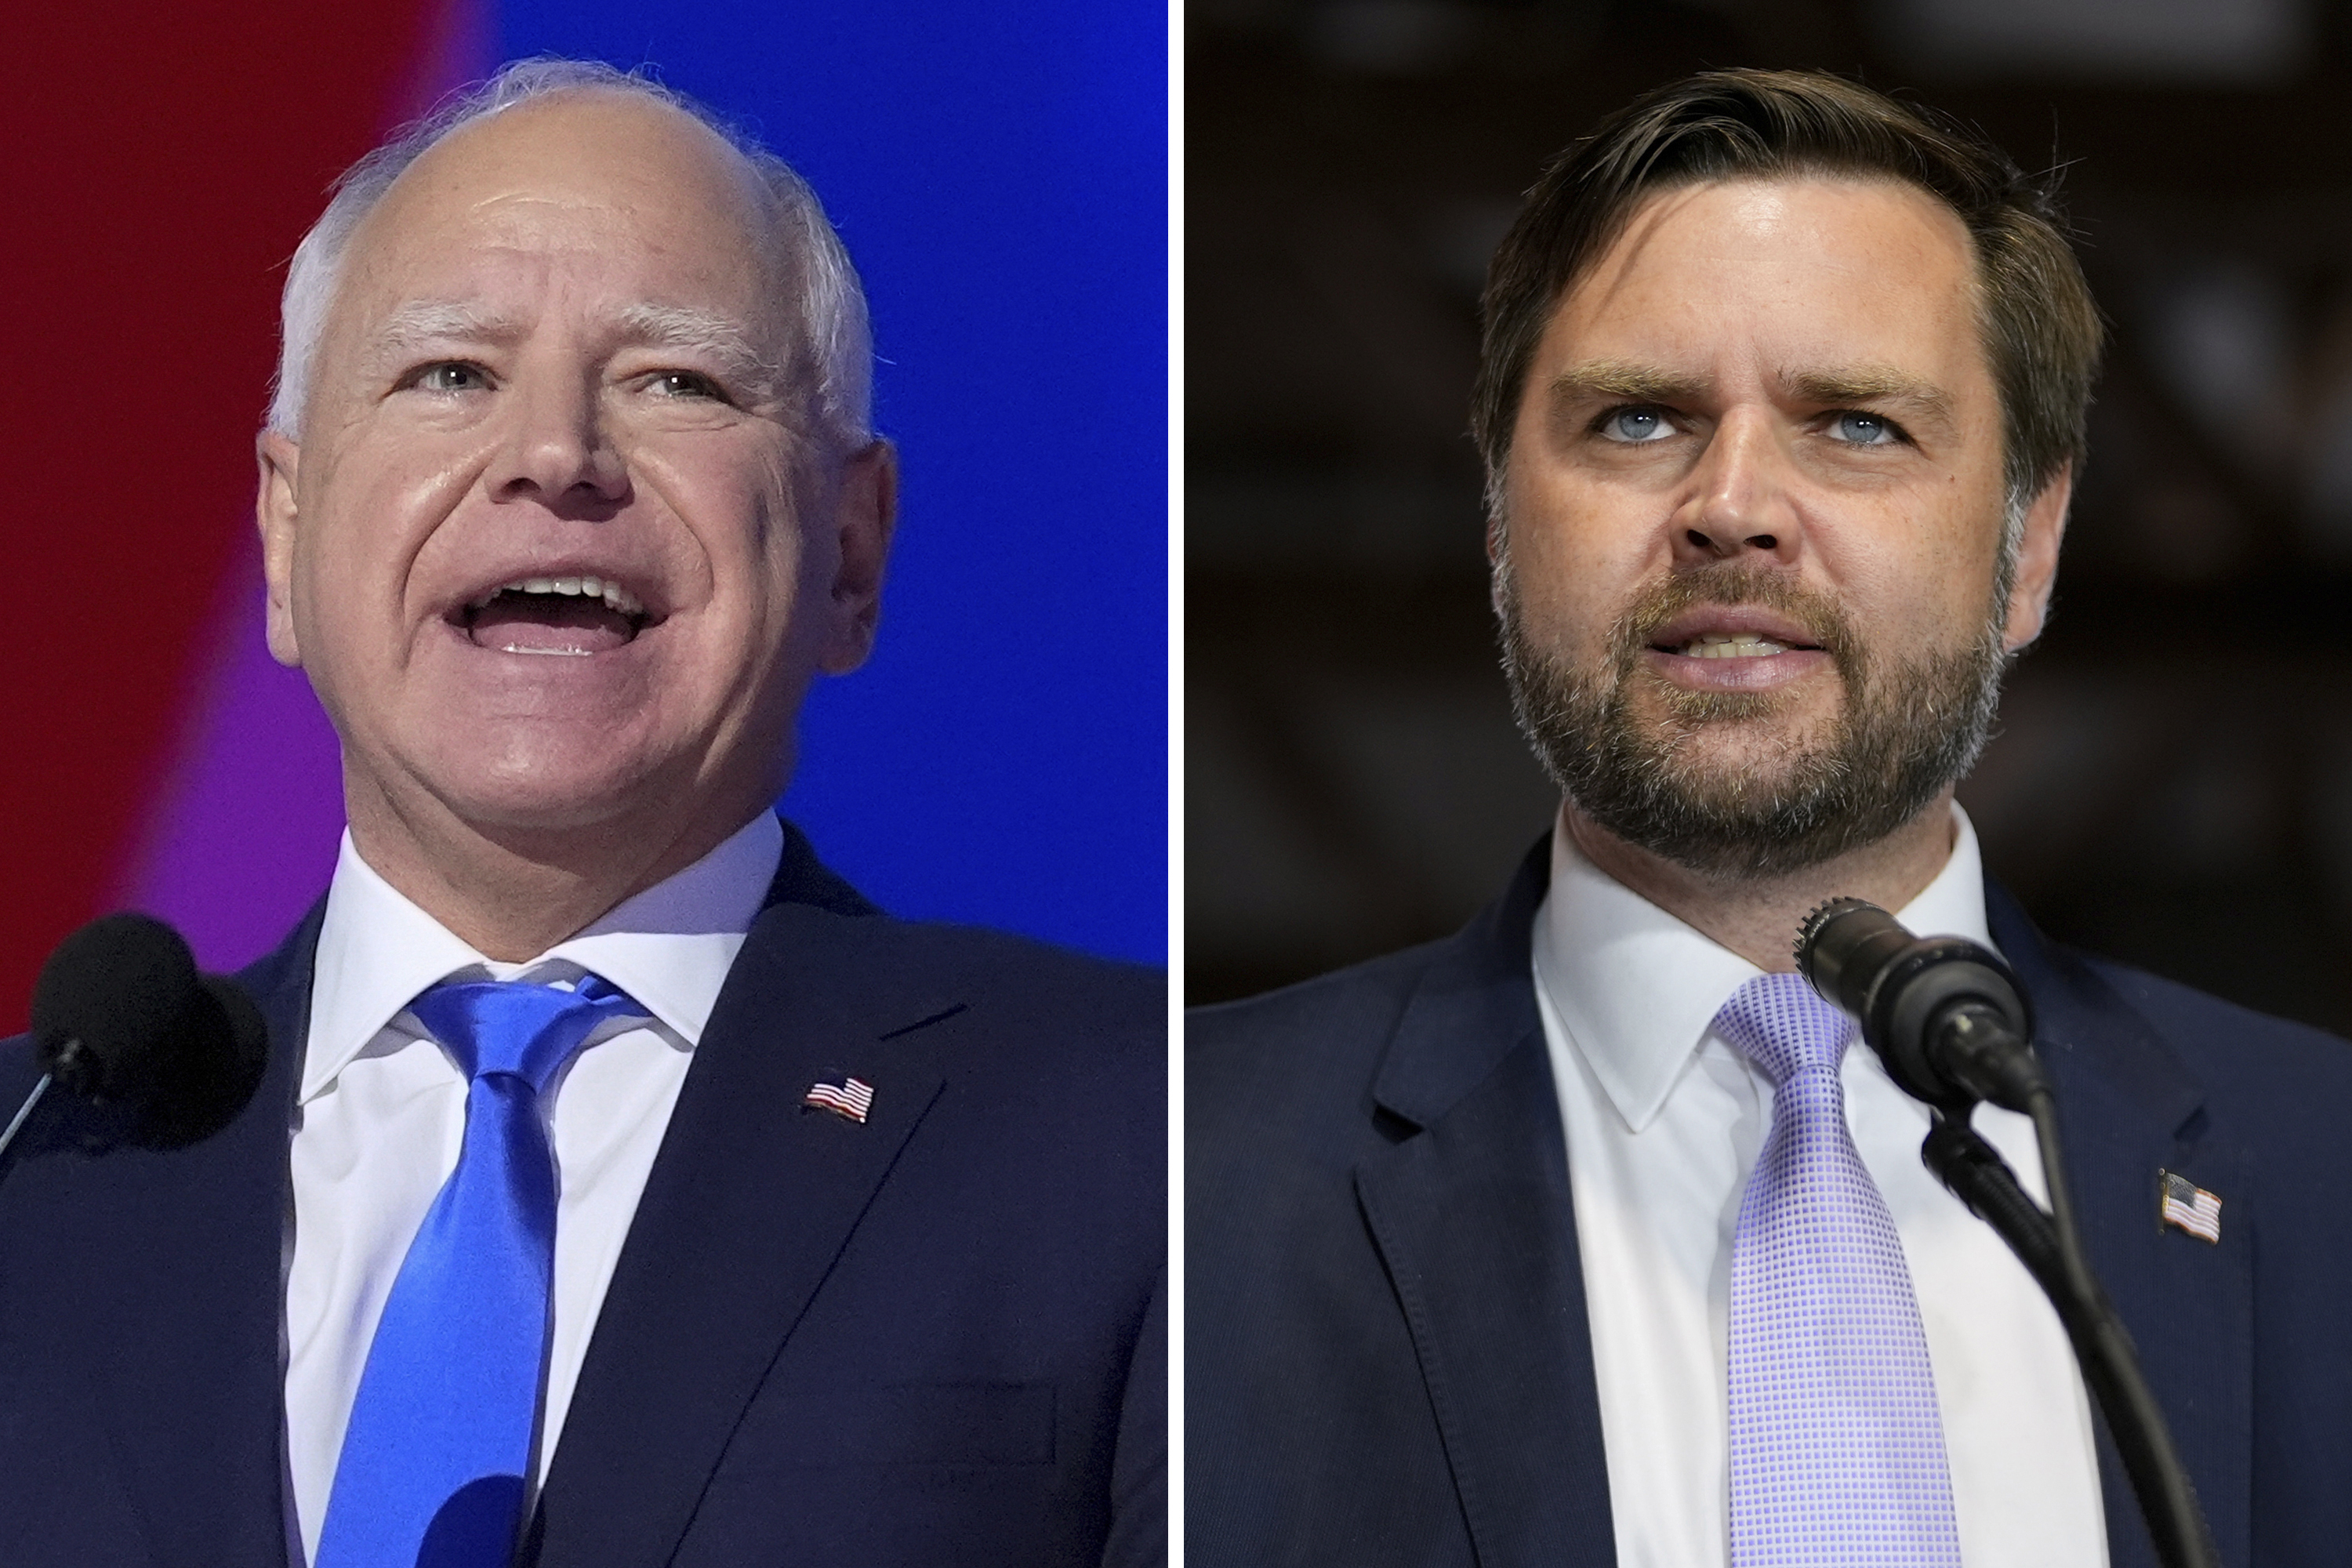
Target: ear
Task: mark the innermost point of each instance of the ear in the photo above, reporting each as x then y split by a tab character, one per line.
865	511
274	512
2037	560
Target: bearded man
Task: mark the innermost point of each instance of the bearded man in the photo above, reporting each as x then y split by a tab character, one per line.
1513	1249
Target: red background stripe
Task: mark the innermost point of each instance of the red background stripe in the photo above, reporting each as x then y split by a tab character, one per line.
160	163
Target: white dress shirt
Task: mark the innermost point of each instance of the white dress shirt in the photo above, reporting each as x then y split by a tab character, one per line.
381	1112
1665	1120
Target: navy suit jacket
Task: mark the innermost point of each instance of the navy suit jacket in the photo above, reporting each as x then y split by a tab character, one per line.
938	1337
1388	1359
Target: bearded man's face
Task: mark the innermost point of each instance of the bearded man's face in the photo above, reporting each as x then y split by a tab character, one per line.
1626	747
1753	563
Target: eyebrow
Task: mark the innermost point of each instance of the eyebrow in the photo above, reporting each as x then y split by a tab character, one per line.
1874	385
423	322
721	339
1865	386
1627	379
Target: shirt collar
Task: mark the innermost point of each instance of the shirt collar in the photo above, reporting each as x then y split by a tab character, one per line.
1637	989
668	947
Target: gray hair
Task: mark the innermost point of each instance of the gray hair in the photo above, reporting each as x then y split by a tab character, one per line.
830	309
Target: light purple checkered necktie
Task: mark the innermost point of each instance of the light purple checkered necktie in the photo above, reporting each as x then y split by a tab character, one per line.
1837	1452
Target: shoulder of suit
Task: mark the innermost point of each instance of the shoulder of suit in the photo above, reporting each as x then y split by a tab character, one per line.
1017	974
2203	1025
2268	1083
1311	1048
1358	993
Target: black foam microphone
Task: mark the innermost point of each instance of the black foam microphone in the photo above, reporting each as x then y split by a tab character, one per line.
122	1019
1943	1013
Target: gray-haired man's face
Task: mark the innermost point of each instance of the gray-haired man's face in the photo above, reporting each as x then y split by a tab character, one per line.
558	546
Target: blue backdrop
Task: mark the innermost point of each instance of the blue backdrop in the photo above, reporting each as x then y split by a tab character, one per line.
1000	176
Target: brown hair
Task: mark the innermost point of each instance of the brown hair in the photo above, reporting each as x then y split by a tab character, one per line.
2041	330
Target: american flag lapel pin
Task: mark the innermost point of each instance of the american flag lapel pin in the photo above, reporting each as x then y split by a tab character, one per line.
850	1098
2182	1203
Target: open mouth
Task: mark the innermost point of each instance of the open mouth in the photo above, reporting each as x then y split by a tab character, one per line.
564	617
1735	645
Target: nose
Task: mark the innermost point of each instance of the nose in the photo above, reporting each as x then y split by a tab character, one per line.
557	450
1740	499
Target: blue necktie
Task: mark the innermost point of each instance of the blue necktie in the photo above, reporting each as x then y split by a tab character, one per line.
1836	1446
433	1462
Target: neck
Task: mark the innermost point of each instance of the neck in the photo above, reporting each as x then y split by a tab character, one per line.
512	893
1757	917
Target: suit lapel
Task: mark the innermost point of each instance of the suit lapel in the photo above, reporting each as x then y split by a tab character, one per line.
1472	1213
186	1277
1499	1322
187	1292
2131	1108
748	1207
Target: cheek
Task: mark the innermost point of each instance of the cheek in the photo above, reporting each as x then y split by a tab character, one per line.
331	583
767	549
1578	557
759	567
376	518
1966	546
1914	586
728	495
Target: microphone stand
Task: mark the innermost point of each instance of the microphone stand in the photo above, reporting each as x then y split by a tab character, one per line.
16	1122
2046	1243
66	1059
1953	1028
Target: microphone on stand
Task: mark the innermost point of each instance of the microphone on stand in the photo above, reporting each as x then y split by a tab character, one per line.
1944	1013
1949	1021
122	1019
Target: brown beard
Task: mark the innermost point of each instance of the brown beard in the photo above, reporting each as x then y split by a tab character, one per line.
1905	732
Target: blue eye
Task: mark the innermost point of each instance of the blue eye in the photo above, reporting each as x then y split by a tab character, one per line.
1635	424
1863	429
452	375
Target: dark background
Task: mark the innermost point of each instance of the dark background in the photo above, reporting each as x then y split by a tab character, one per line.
2173	780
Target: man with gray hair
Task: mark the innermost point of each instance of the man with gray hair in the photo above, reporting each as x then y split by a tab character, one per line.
649	1196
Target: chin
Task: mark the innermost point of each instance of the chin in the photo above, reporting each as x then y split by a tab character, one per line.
582	784
1754	750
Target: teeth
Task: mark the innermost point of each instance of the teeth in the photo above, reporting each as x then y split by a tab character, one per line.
1737	645
616	598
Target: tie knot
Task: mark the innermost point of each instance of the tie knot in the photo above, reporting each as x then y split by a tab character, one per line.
510	1027
1780	1022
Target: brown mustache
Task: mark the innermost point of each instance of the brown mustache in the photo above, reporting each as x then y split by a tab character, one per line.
1729	583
